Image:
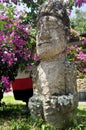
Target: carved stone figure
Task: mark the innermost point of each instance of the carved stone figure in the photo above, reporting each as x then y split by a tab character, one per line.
56	97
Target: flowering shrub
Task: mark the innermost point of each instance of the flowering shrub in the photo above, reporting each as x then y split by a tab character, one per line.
81	61
72	52
17	46
76	55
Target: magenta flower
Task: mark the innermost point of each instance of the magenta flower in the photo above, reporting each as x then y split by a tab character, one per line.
5	81
82	56
79	2
68	50
84	1
36	58
84	70
29	67
83	40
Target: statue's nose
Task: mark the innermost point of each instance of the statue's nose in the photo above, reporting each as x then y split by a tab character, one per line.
44	35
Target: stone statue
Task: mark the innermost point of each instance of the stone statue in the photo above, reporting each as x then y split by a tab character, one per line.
56	97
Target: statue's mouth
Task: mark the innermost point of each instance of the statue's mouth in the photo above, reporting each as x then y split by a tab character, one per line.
41	43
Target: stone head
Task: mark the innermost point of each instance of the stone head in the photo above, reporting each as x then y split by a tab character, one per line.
52	29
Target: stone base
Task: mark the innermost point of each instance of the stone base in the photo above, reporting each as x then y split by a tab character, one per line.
36	106
56	110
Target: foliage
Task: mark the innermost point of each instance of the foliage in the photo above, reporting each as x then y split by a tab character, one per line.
77	53
70	3
78	23
33	5
78	57
17	45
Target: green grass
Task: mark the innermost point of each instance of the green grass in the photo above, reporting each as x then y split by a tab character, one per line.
12	118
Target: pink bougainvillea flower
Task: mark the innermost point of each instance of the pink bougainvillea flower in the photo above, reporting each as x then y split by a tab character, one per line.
79	2
29	67
84	70
83	40
5	81
84	1
36	58
82	56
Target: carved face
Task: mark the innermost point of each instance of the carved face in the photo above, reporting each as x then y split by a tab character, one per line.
51	37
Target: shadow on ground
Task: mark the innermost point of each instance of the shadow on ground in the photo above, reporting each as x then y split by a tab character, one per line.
13	111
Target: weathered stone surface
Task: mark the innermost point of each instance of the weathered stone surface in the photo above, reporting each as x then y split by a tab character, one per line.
36	106
56	98
48	48
59	110
52	18
70	78
51	77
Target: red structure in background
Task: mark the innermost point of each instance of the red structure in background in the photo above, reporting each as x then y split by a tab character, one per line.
22	84
22	89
